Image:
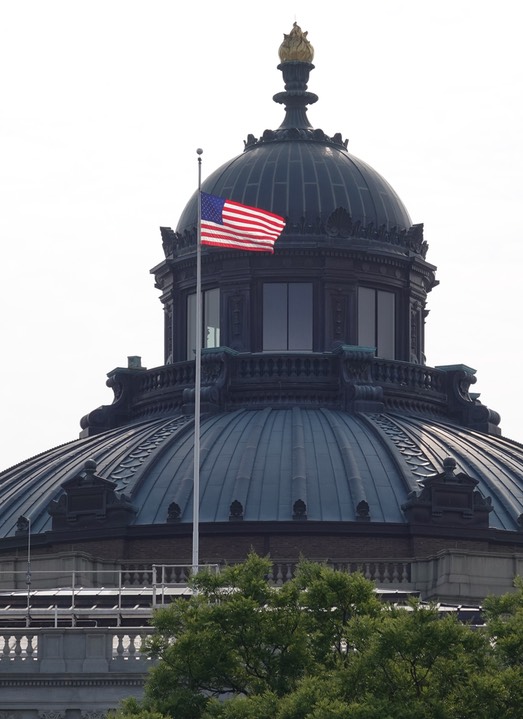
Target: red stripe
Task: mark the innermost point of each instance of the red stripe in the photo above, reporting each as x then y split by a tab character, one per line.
242	221
265	213
211	229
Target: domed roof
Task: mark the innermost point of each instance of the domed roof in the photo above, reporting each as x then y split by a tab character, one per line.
264	463
303	178
303	174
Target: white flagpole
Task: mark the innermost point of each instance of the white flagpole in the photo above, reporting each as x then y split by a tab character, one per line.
197	380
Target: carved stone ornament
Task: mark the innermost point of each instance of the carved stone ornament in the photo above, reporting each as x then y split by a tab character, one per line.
449	499
299	509
89	501
174	512
22	527
339	223
363	511
236	511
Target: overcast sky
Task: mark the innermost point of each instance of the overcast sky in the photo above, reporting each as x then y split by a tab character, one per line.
103	104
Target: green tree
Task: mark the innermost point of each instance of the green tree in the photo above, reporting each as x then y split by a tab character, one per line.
323	646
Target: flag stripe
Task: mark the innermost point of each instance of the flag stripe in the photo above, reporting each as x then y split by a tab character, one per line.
225	223
233	212
208	228
224	235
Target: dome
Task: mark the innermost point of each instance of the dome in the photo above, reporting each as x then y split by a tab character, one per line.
271	464
305	175
323	432
304	179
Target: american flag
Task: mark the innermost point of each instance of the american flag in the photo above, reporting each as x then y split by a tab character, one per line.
226	223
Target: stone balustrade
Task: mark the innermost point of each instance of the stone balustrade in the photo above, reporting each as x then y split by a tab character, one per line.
93	649
348	378
62	672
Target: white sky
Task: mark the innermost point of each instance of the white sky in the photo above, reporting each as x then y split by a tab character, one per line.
103	103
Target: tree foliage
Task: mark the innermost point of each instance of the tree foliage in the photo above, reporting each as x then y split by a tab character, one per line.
323	646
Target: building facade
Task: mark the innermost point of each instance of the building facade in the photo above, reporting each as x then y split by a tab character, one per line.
324	433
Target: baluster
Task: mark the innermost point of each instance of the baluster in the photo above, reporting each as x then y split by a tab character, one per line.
395	573
119	647
306	367
32	646
279	575
131	648
5	649
18	646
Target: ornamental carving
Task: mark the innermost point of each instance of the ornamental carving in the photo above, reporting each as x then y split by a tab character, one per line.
174	512
299	510
448	499
339	223
236	511
295	133
339	314
363	511
169	241
236	316
90	501
295	46
127	468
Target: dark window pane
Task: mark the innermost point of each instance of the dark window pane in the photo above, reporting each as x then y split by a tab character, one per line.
191	326
366	317
300	316
212	319
274	316
385	316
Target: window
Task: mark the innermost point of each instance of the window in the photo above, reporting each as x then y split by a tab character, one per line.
376	321
287	316
210	321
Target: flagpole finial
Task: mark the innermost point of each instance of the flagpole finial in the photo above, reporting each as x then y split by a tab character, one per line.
199	151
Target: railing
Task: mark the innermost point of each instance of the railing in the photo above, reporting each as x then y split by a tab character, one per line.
407	376
276	378
174	376
116	601
18	646
384	573
84	650
130	594
285	367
